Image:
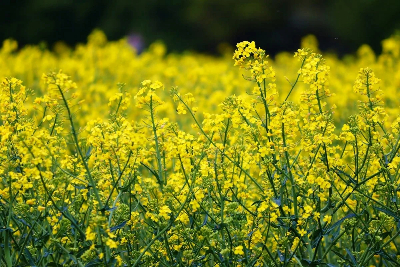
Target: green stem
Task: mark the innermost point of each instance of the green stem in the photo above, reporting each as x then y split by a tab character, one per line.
159	164
75	136
297	79
7	249
294	195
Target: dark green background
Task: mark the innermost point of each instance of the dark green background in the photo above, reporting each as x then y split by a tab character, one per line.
340	25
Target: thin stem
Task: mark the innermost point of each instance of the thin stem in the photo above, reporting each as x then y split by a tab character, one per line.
159	164
75	136
297	79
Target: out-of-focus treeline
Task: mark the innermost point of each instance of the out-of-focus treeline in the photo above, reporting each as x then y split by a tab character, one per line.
340	25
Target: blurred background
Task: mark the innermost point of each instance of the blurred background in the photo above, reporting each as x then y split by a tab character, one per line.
201	25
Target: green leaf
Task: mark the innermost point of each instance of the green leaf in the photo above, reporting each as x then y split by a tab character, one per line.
351	256
119	226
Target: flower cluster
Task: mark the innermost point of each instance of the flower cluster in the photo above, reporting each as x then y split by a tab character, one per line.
225	172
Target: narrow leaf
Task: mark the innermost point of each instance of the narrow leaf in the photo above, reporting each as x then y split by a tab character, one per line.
336	224
119	226
351	256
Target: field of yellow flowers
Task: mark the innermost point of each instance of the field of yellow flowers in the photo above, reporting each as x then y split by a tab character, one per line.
113	158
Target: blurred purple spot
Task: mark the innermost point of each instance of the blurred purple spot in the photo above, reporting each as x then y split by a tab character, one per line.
136	41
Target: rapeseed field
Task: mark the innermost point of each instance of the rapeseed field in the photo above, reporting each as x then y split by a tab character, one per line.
113	158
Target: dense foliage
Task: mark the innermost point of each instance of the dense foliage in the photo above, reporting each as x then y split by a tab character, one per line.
217	163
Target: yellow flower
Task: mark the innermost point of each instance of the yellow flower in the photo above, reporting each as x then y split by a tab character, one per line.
90	235
111	243
238	250
327	218
165	211
31	202
302	232
47	118
41	208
